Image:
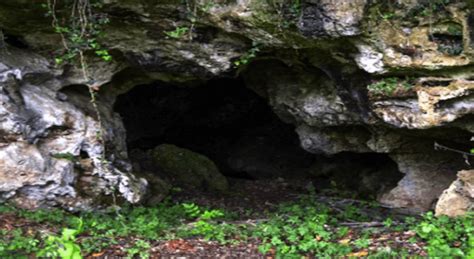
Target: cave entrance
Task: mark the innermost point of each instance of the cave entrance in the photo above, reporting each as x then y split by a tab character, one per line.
221	119
237	129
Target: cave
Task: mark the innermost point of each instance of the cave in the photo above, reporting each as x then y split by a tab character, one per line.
220	119
237	129
16	41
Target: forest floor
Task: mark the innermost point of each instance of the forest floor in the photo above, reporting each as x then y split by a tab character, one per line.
258	219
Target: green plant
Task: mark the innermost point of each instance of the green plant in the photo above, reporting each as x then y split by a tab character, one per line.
6	208
80	30
295	7
248	56
177	33
428	8
389	85
79	33
299	229
96	243
447	237
455	29
388	222
54	216
140	248
17	244
387	16
211	214
207	227
206	6
67	156
352	213
362	243
204	227
192	210
65	245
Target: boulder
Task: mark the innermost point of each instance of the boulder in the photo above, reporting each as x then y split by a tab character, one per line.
188	168
458	199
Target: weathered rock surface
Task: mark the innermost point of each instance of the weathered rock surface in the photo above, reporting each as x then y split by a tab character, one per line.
314	64
48	146
458	199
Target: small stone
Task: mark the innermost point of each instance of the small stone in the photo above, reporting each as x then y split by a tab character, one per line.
61	97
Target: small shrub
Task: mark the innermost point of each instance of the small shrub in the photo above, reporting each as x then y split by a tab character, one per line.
64	246
447	237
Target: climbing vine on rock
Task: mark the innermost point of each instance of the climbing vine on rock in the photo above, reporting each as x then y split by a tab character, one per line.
79	27
248	56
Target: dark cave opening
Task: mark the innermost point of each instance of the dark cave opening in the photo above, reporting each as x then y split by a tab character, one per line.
12	40
449	44
220	119
238	130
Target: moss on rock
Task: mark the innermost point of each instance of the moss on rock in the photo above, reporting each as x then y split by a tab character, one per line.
189	168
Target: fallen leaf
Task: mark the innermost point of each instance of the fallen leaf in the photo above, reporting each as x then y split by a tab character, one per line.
344	241
359	254
98	254
179	244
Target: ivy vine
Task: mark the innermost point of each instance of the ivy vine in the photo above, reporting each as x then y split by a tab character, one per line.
79	27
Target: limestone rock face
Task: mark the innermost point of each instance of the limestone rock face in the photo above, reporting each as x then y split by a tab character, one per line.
331	18
427	175
458	199
435	105
351	76
188	168
49	146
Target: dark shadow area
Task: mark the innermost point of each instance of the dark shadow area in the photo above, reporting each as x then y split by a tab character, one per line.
361	175
237	129
221	119
13	40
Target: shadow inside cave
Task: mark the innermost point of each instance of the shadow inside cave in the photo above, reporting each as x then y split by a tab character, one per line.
238	130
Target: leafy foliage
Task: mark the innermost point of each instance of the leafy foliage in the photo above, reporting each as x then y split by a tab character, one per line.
389	85
177	33
248	56
301	229
79	30
64	246
447	237
304	228
18	243
140	248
